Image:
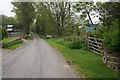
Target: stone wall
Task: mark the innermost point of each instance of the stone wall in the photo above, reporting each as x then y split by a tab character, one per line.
112	61
96	45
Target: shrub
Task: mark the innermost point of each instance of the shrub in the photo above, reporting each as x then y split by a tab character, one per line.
98	32
3	33
41	36
77	45
28	36
111	40
72	38
73	42
62	42
110	35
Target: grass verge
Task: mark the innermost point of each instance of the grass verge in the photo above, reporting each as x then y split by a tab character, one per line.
88	64
14	46
41	36
9	39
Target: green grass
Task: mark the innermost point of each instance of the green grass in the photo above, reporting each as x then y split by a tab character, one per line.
14	46
30	38
41	36
9	39
88	63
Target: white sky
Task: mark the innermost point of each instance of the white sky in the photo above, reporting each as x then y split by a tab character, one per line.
6	7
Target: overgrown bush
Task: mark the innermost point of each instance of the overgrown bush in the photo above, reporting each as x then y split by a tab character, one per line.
112	40
3	33
41	36
73	42
62	42
98	31
110	34
72	38
77	44
28	36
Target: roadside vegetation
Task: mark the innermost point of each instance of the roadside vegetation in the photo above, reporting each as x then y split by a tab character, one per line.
11	47
70	33
87	63
69	30
41	36
11	42
9	39
3	33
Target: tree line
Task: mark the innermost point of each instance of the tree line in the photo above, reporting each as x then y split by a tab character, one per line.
57	18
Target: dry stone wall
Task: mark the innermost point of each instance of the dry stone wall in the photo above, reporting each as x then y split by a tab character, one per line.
96	45
112	61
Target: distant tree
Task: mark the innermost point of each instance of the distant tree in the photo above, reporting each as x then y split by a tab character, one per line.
25	12
52	17
61	14
5	20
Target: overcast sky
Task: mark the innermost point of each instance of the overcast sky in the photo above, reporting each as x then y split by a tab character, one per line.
6	7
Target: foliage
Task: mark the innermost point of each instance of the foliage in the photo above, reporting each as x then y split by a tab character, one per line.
73	42
72	27
82	32
72	38
14	46
110	34
41	36
11	44
112	41
3	33
98	31
52	18
7	20
86	8
87	63
9	39
28	36
77	45
62	42
25	13
108	12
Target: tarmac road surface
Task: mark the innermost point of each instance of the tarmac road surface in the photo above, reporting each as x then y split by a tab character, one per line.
36	59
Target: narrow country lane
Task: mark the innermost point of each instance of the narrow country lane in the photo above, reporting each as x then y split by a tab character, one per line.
35	59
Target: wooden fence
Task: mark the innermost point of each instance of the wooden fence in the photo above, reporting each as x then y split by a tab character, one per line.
95	45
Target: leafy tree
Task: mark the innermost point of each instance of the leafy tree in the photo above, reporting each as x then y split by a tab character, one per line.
52	17
108	12
112	40
44	20
86	10
61	14
25	14
5	20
